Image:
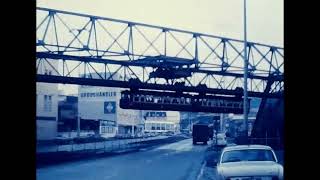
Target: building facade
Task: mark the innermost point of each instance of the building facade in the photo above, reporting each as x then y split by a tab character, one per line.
46	105
100	105
161	121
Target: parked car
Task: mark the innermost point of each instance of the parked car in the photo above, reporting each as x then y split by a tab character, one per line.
139	135
248	162
221	139
169	133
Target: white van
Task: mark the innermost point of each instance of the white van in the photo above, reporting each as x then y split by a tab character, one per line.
221	139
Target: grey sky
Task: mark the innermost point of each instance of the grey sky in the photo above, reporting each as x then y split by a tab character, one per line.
217	17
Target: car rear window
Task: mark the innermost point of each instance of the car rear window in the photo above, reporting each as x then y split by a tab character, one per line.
248	155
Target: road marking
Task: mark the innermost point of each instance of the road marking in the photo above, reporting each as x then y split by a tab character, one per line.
201	171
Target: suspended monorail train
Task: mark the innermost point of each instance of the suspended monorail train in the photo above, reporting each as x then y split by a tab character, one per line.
156	100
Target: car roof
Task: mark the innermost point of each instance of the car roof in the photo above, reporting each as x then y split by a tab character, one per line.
243	147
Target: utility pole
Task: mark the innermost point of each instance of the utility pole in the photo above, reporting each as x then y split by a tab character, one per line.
189	121
132	130
221	122
78	126
245	105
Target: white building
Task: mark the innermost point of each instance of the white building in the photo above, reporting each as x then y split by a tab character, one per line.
47	106
102	104
161	121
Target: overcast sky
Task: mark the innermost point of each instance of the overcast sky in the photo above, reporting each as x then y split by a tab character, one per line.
216	17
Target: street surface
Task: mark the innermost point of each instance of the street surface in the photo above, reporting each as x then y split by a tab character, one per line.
175	161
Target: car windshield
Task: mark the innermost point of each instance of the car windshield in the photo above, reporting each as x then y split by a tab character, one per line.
248	155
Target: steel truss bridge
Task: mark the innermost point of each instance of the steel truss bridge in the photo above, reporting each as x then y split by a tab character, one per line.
74	48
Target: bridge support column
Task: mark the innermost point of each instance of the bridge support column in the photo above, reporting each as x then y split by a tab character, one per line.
256	129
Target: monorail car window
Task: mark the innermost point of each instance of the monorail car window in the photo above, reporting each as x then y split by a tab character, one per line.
182	100
235	105
222	103
149	98
166	100
172	100
136	98
175	101
142	99
238	105
127	96
160	100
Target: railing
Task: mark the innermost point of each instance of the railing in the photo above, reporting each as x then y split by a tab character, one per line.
104	146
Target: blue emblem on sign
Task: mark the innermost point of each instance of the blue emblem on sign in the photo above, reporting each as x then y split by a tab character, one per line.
109	107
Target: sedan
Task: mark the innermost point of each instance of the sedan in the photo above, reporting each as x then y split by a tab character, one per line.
248	162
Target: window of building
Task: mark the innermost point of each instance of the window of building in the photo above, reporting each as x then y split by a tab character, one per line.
147	126
106	129
158	126
47	103
102	129
153	126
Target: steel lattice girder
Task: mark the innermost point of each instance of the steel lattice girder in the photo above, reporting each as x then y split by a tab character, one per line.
136	50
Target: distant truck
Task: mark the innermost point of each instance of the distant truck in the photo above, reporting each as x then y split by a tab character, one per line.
202	133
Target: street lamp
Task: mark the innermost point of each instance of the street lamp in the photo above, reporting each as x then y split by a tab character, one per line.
78	125
245	105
